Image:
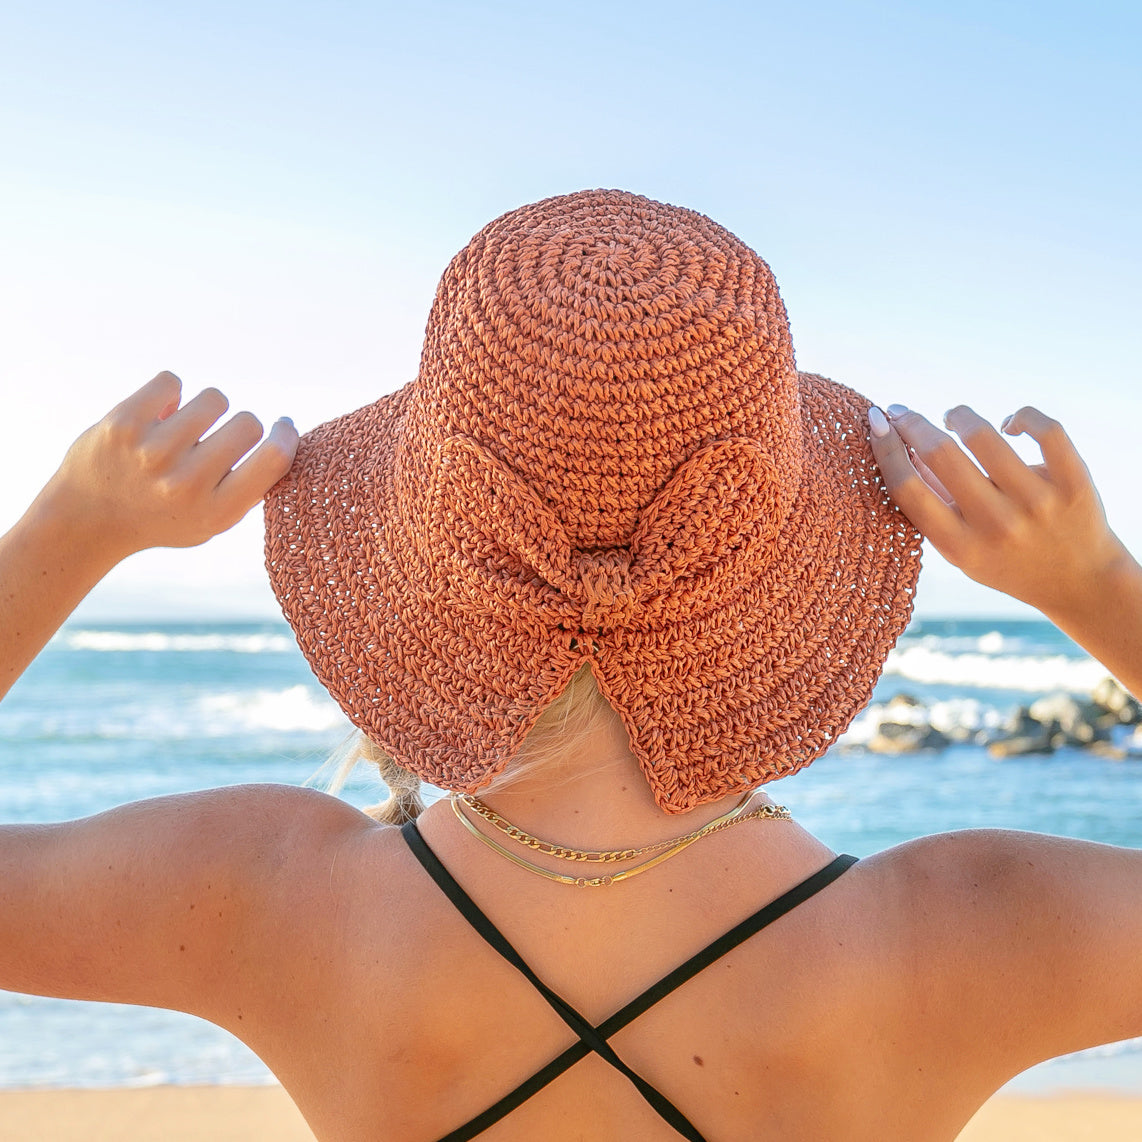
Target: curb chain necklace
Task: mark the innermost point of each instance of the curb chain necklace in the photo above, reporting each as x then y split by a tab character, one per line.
664	849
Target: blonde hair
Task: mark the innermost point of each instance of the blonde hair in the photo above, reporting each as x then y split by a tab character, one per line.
578	713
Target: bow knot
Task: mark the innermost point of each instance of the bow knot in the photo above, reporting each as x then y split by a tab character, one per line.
709	529
605	578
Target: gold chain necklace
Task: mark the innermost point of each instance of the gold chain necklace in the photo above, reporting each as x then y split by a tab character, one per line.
672	848
608	856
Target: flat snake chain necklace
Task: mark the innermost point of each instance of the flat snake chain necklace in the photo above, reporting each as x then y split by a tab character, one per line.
735	816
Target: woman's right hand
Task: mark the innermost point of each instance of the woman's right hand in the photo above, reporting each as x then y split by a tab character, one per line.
1036	532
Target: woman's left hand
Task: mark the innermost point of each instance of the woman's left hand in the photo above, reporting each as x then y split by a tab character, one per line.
148	475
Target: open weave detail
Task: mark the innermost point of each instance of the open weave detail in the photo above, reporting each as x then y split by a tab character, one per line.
607	457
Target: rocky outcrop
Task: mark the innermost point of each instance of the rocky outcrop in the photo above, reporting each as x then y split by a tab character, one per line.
1095	723
1112	697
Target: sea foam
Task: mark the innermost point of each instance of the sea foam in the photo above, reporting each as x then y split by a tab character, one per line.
1036	673
296	708
162	642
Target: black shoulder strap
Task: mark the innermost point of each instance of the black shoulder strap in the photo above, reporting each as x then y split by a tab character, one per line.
593	1038
726	943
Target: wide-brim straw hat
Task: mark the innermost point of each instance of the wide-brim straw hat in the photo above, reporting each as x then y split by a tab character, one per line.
607	457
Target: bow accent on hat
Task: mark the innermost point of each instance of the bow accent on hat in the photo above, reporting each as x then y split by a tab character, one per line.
505	543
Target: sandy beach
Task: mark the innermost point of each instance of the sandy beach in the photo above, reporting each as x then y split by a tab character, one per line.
237	1114
152	1114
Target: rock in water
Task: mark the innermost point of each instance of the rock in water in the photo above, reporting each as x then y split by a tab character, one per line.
1080	723
1115	699
903	737
1023	735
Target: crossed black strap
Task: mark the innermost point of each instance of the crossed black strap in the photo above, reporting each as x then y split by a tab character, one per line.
592	1038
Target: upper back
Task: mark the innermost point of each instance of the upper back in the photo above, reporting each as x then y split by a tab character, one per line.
862	1013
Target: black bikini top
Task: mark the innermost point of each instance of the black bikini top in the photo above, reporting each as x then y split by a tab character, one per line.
592	1038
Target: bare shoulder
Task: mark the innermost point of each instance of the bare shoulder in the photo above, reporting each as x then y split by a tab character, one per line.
1025	940
243	831
136	904
1003	868
284	836
267	814
972	859
983	886
283	848
277	798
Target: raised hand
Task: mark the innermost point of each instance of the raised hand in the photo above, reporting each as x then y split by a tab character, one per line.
1034	531
147	475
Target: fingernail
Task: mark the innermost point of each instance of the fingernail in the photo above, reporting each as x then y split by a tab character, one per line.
1006	422
877	422
286	420
897	410
946	417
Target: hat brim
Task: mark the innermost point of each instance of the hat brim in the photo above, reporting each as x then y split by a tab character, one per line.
785	663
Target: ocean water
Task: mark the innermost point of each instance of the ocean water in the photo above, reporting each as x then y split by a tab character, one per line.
114	712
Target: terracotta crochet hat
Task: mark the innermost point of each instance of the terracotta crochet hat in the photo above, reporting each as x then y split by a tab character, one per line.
607	457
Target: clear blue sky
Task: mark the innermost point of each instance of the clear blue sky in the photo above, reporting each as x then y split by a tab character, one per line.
261	197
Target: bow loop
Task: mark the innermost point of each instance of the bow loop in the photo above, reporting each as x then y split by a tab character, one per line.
485	511
723	500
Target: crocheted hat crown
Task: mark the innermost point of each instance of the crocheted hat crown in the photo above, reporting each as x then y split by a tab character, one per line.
594	348
607	456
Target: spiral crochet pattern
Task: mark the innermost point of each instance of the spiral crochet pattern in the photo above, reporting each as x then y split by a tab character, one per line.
607	457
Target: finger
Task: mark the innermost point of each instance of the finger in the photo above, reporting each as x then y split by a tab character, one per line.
932	480
223	448
1064	464
978	500
921	503
253	478
879	427
156	400
189	424
1004	466
176	394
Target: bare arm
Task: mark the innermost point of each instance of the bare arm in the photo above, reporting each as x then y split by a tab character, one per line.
1055	924
1036	532
134	904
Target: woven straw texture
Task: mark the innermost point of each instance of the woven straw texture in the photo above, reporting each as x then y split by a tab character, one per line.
607	457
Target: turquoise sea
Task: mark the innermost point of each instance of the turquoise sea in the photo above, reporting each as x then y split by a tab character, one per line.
113	712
